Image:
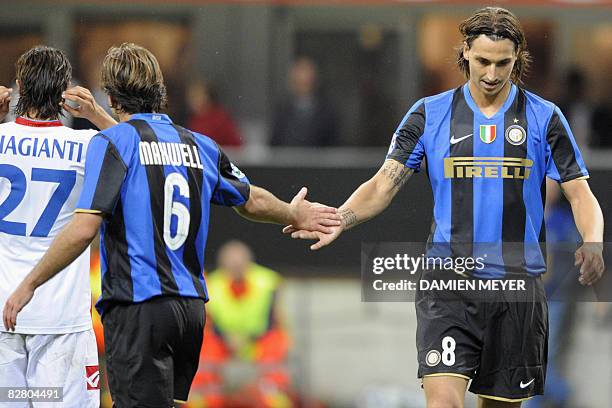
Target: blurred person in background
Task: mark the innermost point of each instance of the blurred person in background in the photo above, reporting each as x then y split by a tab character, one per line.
208	117
53	343
95	281
578	109
561	231
498	348
602	123
245	326
148	186
304	117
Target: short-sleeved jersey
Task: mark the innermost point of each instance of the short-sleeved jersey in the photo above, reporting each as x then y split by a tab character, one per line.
41	176
153	181
488	174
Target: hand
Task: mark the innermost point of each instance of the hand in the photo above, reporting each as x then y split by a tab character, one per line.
323	239
589	258
312	216
5	100
236	343
17	301
87	107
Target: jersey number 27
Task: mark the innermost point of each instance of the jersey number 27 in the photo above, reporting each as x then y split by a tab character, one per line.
18	181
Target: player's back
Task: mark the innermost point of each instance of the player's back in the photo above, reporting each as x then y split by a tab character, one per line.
41	177
155	182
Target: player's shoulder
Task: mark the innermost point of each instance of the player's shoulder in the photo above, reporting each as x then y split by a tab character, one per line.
431	104
123	129
202	138
80	134
209	145
441	98
122	138
434	104
121	135
8	126
538	103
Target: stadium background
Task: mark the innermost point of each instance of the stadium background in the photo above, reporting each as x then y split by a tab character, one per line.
375	58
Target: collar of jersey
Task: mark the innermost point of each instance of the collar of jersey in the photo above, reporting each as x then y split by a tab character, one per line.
472	104
152	117
20	120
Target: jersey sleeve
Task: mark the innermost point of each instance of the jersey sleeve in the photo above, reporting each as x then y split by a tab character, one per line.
105	171
407	142
233	187
563	159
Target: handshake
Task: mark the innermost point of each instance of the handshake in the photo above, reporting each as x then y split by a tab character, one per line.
315	221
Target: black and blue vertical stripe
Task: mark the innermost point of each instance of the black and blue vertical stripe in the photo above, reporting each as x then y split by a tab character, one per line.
488	191
137	263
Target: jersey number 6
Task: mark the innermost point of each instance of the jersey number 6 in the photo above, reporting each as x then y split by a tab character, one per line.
177	209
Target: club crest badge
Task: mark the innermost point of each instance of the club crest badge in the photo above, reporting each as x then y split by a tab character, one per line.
433	358
236	171
516	135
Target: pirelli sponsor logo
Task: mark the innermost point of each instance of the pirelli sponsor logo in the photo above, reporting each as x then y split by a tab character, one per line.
487	167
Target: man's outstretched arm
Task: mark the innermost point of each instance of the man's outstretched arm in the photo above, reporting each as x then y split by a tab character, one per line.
263	206
373	196
66	247
590	223
369	200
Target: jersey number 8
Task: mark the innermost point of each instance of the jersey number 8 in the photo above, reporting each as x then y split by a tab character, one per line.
448	350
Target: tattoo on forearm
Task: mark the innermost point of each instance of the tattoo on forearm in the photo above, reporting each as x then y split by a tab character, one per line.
397	173
348	217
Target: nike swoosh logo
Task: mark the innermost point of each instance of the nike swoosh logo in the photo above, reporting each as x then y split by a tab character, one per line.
454	141
526	385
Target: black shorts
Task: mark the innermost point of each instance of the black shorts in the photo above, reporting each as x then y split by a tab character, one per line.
500	344
153	350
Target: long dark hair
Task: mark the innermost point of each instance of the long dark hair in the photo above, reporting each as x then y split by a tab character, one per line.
43	74
496	23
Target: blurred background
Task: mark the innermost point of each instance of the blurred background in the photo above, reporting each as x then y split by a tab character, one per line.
303	93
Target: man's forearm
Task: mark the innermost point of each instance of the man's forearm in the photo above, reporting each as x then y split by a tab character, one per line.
67	246
102	120
373	196
365	203
263	206
588	217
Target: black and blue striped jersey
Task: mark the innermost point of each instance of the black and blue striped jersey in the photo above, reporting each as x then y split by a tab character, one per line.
488	173
154	181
